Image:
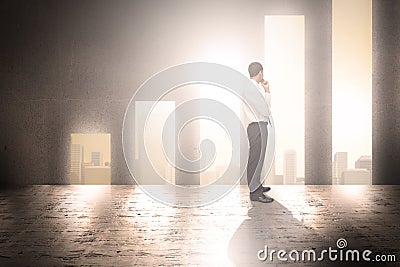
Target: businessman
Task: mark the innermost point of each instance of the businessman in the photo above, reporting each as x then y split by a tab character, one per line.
256	115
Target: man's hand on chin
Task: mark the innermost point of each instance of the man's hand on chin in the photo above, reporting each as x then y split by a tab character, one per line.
265	84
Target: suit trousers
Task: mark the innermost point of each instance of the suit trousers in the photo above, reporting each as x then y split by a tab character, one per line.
257	133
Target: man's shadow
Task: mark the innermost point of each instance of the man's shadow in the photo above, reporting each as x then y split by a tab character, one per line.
272	225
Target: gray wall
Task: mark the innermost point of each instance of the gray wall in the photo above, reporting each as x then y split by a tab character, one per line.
72	66
386	92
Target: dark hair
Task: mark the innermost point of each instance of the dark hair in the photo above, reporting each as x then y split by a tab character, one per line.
255	68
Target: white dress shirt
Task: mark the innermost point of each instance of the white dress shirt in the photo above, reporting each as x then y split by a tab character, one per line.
258	104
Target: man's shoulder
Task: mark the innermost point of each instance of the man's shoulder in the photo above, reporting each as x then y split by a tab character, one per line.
253	81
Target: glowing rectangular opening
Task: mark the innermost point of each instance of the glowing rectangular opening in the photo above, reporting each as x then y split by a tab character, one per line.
351	91
90	159
284	69
150	162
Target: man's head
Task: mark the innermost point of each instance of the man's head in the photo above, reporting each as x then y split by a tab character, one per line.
256	71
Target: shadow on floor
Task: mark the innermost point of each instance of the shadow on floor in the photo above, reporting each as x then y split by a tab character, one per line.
272	226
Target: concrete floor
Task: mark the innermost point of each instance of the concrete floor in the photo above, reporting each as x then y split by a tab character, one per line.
122	226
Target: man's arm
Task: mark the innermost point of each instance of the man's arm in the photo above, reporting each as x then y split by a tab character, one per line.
258	101
265	85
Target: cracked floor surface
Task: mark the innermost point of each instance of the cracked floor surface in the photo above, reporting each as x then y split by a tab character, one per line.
122	226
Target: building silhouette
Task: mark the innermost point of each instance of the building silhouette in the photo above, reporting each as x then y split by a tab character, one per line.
97	158
278	179
339	166
76	163
356	177
290	167
364	162
270	179
97	175
84	165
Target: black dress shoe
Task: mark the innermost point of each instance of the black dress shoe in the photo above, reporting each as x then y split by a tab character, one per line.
262	198
266	188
